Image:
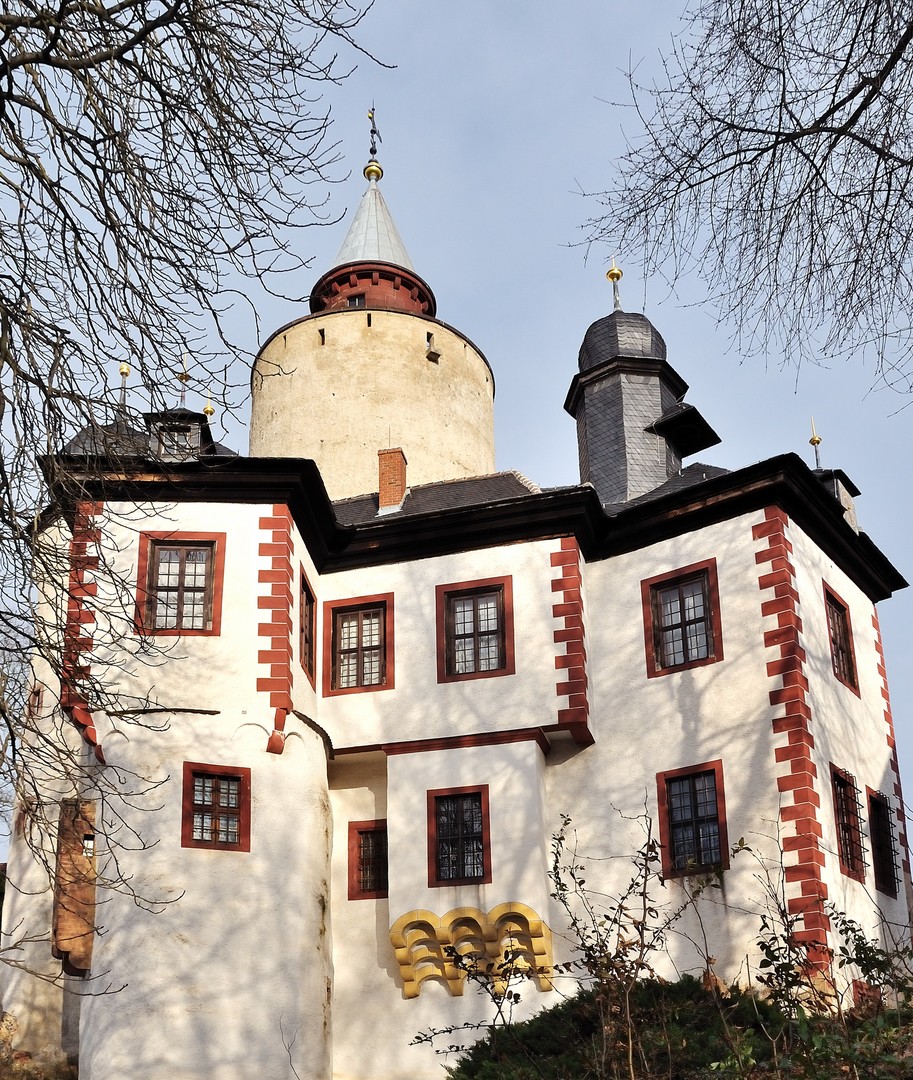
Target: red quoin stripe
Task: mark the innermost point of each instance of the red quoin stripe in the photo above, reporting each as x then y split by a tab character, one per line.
796	772
570	637
276	605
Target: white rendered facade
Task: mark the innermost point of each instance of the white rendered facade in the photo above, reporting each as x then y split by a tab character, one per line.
276	949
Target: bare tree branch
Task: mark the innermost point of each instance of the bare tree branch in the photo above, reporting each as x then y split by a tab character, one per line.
775	161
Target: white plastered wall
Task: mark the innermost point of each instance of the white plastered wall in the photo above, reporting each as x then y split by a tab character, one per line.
418	706
849	730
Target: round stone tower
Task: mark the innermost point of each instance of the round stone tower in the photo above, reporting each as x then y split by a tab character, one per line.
372	368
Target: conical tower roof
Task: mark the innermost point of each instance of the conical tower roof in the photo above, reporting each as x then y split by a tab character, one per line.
373	268
373	236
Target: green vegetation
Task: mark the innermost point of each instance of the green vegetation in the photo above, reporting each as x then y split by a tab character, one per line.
683	1032
797	1022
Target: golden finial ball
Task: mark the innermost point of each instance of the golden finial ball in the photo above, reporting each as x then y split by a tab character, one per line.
373	171
124	370
614	273
208	410
815	440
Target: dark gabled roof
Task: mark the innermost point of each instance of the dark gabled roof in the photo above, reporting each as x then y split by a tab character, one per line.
489	511
434	498
684	478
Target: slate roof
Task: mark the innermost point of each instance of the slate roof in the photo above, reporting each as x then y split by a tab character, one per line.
443	495
498	487
694	474
621	334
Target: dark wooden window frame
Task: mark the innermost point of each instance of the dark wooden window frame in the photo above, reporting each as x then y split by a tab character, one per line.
376	887
665	824
850	850
705	571
883	841
307	627
434	879
150	543
840	636
334	608
194	769
444	597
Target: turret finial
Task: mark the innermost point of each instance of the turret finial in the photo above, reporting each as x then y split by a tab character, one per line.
183	378
373	171
614	274
815	441
124	372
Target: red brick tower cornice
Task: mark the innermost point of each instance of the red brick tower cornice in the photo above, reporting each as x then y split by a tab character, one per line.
373	285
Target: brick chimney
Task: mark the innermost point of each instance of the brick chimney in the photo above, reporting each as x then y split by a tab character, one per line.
392	479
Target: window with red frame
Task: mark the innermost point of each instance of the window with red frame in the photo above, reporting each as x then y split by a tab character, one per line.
180	588
216	807
359	655
843	657
308	624
367	860
884	843
682	619
358	645
692	819
475	632
459	848
846	817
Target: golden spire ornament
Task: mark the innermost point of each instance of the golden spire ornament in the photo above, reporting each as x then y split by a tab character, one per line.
124	372
815	441
615	274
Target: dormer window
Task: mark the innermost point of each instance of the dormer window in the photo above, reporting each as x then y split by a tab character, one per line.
177	442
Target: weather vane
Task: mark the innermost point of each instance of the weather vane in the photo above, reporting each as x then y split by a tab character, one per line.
375	133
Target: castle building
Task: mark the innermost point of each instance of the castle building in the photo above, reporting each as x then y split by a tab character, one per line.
355	680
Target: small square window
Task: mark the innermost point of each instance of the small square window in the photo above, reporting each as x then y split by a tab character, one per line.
475	633
216	807
682	627
692	819
357	300
367	860
179	588
840	631
307	614
358	645
884	843
846	818
459	847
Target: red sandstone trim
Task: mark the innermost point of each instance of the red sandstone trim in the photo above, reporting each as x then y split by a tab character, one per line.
275	655
459	742
797	773
895	767
570	637
77	637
